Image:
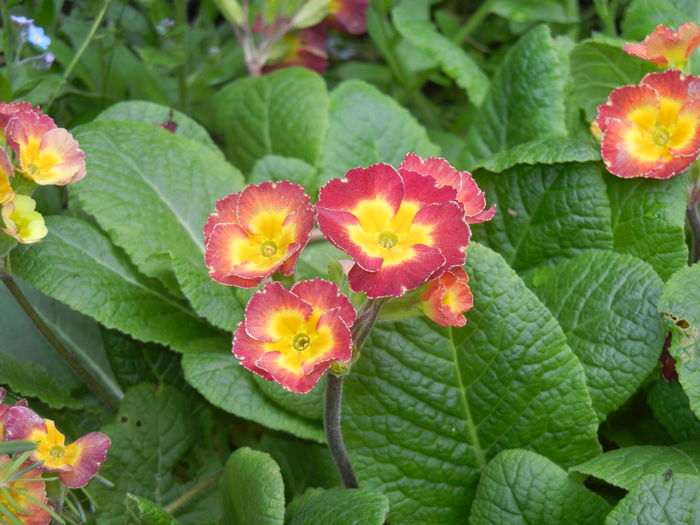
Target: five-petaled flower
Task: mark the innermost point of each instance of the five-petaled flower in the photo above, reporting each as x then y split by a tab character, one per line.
76	463
27	493
254	233
348	15
666	47
293	336
652	129
47	154
400	227
22	221
446	298
468	192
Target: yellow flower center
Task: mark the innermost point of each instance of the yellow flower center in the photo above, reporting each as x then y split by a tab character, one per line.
660	136
268	248
301	342
57	451
388	239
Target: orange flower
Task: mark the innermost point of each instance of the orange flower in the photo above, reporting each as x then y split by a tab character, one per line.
652	129
447	298
26	492
667	47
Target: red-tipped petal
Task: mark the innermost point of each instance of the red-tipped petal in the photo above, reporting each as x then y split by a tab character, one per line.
225	211
23	423
619	154
248	351
425	189
267	309
671	84
379	181
29	492
623	100
90	452
69	166
439	169
450	231
446	299
324	296
281	197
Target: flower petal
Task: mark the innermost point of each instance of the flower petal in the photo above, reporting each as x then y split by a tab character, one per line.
87	453
424	189
626	152
446	299
248	351
265	206
226	210
623	101
324	296
450	232
273	313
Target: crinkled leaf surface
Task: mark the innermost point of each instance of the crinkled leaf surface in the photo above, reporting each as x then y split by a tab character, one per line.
152	192
309	405
545	213
605	303
143	511
648	220
642	16
226	384
626	467
680	303
283	113
367	127
522	487
525	101
427	407
253	489
660	501
276	167
339	507
79	266
672	408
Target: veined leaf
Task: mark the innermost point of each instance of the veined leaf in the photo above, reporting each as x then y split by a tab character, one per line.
339	507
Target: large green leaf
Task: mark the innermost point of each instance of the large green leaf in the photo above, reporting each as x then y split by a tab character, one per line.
368	127
142	511
672	408
453	60
525	101
155	114
642	16
227	385
680	303
599	67
520	487
648	220
626	467
152	192
284	113
660	501
426	407
253	489
275	167
545	213
606	304
339	507
78	265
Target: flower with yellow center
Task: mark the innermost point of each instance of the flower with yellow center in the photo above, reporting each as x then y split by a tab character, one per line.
666	47
22	221
447	298
26	492
6	173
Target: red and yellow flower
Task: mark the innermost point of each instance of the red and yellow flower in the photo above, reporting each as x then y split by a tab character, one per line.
76	463
254	233
666	47
46	154
27	492
6	173
4	409
304	48
652	129
448	297
400	227
293	336
468	192
9	109
22	221
349	15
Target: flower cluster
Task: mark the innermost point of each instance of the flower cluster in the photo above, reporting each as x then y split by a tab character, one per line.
36	36
652	129
76	464
43	154
406	229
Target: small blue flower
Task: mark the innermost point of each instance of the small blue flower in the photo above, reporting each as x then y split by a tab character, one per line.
37	37
21	20
44	61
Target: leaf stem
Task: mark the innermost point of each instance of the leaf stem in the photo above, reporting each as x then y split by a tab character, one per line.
186	497
694	222
106	397
475	20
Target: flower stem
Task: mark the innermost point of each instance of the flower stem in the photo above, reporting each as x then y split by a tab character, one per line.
694	222
188	496
48	334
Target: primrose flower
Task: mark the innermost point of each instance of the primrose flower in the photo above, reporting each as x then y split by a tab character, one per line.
6	173
401	228
254	233
293	336
652	129
446	298
4	409
349	15
305	48
76	463
666	47
26	492
47	154
22	221
468	192
9	109
37	37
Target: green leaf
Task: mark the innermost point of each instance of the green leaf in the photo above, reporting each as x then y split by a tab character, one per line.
453	60
642	16
155	114
672	408
338	506
275	167
229	386
627	467
660	501
605	303
522	487
648	220
253	489
152	191
540	151
368	127
145	512
309	405
599	67
680	303
525	101
454	398
77	265
283	113
545	213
